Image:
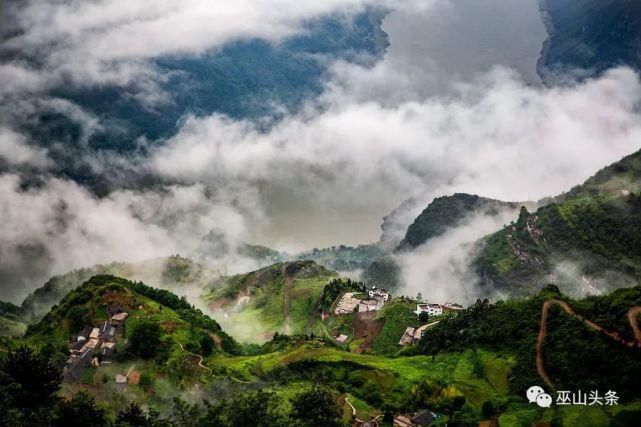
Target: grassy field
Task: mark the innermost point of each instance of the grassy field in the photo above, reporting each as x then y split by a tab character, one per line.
456	369
256	320
10	327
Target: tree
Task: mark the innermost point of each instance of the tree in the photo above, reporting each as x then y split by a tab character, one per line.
316	407
78	317
33	381
185	414
253	409
80	411
206	345
144	339
423	317
488	410
134	416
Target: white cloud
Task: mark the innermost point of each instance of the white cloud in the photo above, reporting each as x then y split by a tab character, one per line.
60	226
15	151
497	137
440	269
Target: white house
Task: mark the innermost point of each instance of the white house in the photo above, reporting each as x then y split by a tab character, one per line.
370	305
379	294
430	309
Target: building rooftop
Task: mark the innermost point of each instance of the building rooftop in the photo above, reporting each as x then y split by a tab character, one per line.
341	338
424	418
120	317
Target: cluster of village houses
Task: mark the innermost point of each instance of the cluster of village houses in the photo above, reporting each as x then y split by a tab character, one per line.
376	299
91	342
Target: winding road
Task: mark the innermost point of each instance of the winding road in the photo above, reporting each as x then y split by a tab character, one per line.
373	420
200	359
633	314
200	363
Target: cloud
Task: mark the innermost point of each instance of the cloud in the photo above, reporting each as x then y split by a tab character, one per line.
323	176
60	226
15	151
441	268
496	136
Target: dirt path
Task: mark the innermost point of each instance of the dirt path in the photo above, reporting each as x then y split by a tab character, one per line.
288	284
131	368
200	359
200	363
632	317
373	420
237	380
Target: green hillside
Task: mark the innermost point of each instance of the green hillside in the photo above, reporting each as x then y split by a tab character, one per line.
594	230
11	323
172	273
471	366
281	298
575	355
446	212
88	304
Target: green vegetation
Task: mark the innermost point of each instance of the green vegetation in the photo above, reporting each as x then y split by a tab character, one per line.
11	319
282	298
588	238
472	365
383	272
396	316
575	356
145	337
171	273
336	288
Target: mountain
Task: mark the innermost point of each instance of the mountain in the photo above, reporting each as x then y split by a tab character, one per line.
447	212
586	37
587	240
394	225
245	79
441	214
282	298
179	274
344	258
